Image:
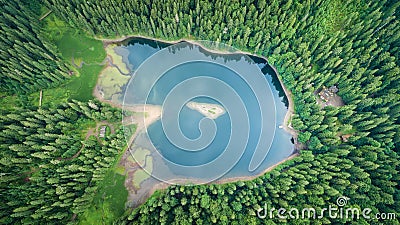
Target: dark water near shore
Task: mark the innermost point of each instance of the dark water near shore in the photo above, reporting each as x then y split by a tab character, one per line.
135	51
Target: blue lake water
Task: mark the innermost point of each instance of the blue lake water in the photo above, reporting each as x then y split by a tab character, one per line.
204	149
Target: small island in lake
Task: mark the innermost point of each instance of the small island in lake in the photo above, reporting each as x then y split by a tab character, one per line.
212	111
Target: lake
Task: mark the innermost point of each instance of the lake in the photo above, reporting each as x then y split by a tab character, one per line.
184	144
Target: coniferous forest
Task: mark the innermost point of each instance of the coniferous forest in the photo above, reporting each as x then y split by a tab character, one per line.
50	171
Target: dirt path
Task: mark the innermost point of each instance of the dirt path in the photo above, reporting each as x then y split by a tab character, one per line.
108	61
40	98
90	132
45	15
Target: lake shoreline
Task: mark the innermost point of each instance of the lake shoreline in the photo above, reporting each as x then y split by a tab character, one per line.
290	111
165	184
178	181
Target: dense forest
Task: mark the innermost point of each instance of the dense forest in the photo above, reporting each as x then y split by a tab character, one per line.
48	173
27	61
314	43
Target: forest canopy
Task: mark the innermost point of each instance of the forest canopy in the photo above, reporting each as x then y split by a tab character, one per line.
351	150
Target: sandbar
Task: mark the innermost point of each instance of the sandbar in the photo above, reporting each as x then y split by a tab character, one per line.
211	111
